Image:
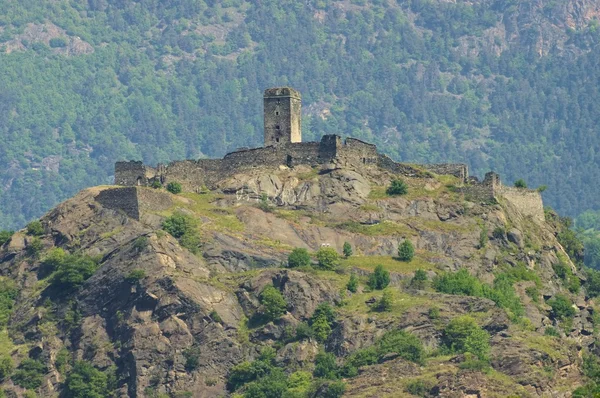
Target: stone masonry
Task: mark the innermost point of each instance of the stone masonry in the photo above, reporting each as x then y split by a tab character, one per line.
283	146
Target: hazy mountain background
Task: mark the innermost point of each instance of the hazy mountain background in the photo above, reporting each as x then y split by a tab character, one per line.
506	85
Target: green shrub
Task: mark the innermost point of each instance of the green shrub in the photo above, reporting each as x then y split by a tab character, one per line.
328	258
326	366
534	293
352	284
140	243
347	249
174	187
156	184
463	335
85	381
592	284
298	383
214	315
34	247
562	307
299	258
192	361
273	302
483	238
397	187
304	331
520	183
135	276
35	228
53	259
274	384
58	42
179	224
499	233
419	280
433	313
385	302
5	236
550	331
460	283
406	251
264	204
6	367
327	389
379	279
419	387
30	374
322	321
73	271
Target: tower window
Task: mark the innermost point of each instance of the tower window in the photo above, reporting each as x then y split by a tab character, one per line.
277	127
277	139
277	113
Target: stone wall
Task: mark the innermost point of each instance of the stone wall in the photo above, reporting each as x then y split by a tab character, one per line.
124	199
528	201
461	171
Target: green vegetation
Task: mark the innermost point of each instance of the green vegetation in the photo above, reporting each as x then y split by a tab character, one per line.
135	276
347	249
419	280
352	284
483	238
385	302
299	258
322	321
404	344
85	381
591	369
192	360
273	303
520	183
140	243
29	374
72	271
379	279
34	247
5	236
174	187
397	187
562	307
328	258
565	273
406	251
463	335
8	294
6	367
35	228
185	229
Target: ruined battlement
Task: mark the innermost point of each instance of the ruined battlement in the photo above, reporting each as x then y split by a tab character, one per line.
283	146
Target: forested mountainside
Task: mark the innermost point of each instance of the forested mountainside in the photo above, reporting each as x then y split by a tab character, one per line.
311	282
503	85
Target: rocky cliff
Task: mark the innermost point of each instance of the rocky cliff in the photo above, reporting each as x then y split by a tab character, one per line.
152	315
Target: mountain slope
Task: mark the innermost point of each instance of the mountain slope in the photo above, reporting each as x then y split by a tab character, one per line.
500	85
92	291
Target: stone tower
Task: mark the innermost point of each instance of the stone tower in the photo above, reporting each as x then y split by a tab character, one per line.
282	116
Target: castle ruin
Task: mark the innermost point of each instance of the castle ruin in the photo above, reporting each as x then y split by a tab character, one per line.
283	146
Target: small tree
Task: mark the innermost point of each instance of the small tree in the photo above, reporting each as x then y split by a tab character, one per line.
274	304
419	280
5	236
35	228
156	184
385	302
347	249
379	279
483	238
328	258
174	187
299	257
406	251
520	183
398	187
562	307
463	335
135	276
326	366
352	284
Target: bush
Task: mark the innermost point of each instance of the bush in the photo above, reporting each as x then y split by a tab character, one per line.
179	224
420	388
397	187
34	247
8	294
406	251
274	384
6	367
347	249
562	307
299	258
352	284
327	389
463	335
274	304
29	374
5	236
53	259
326	366
550	331
520	183
379	279
156	184
499	233
385	302
140	243
460	282
73	271
135	276
328	258
264	204
419	280
35	228
303	331
58	42
322	321
214	315
433	313
592	284
191	356
174	187
85	381
483	238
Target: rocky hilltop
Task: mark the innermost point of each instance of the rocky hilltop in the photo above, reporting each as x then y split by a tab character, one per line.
102	299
